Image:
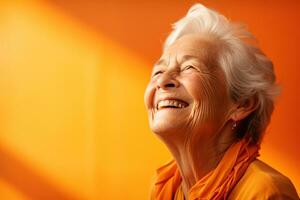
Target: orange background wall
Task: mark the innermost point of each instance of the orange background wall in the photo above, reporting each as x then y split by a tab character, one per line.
72	77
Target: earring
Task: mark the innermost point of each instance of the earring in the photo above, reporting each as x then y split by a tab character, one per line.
234	125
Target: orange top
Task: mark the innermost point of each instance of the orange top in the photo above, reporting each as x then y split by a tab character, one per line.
232	179
263	182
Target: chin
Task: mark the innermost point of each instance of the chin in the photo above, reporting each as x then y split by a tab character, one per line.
165	128
168	121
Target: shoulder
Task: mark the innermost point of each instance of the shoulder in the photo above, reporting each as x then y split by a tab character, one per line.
261	181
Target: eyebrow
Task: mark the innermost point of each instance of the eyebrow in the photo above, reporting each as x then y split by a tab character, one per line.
184	58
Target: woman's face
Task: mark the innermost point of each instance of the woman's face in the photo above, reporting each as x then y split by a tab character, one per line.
187	91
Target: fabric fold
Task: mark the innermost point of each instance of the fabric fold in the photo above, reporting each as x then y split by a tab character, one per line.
217	184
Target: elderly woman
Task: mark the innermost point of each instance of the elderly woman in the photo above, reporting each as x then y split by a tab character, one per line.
210	99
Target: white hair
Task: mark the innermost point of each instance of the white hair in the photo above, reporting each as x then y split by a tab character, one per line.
249	73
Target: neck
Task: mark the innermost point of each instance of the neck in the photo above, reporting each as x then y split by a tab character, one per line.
197	156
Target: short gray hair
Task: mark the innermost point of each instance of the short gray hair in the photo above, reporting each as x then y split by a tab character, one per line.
249	73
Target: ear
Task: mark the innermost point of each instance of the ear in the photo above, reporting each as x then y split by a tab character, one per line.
244	109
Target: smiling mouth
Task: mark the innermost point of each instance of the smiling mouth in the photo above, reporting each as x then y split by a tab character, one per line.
175	104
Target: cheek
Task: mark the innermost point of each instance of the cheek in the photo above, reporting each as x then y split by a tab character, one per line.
196	87
207	98
148	95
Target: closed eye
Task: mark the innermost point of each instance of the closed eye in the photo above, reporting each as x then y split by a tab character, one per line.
188	67
156	73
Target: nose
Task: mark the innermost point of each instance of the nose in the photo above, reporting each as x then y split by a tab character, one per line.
167	81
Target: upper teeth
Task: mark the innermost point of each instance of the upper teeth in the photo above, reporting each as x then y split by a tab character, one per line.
174	103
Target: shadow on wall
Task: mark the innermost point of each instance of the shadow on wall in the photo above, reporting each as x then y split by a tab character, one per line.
27	181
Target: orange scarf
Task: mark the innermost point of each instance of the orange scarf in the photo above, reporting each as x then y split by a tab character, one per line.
217	184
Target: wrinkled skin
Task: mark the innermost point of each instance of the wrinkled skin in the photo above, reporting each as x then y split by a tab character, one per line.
199	134
198	81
